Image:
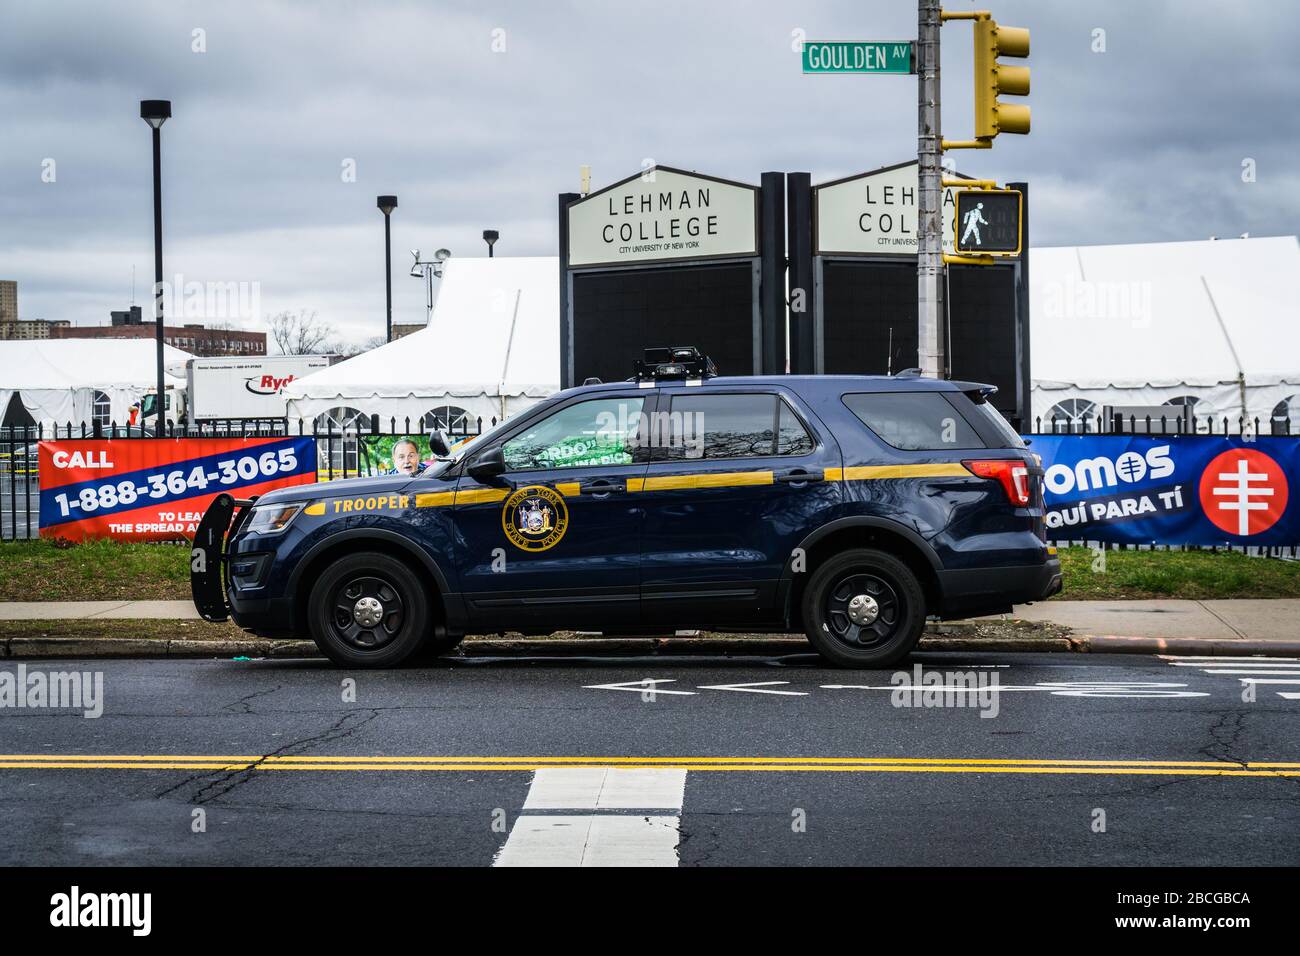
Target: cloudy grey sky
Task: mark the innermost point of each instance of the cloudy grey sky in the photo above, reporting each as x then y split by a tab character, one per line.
1142	142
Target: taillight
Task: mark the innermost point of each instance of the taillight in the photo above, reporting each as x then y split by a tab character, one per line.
1012	473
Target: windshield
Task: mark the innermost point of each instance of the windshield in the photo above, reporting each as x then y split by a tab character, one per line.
465	446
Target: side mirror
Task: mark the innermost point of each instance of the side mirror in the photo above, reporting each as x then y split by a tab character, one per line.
438	443
490	464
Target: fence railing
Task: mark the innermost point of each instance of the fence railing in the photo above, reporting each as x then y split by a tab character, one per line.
342	451
1173	424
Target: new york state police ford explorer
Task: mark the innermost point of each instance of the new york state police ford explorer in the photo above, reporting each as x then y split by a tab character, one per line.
848	507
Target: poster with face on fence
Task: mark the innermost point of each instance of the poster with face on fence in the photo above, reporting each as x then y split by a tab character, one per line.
1184	489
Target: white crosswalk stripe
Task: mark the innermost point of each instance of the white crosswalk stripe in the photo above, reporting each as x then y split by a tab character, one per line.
1253	671
607	834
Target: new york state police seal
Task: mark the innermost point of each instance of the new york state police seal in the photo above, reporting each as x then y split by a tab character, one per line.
535	518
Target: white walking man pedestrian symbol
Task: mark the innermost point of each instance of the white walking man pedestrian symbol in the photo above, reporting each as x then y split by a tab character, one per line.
1241	492
972	221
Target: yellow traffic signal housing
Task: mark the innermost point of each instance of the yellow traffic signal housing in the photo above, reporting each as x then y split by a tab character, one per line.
993	79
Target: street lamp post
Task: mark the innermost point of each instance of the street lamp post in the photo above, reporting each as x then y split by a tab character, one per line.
386	205
490	236
155	113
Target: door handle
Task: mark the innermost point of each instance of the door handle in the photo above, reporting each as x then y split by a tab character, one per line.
799	477
601	487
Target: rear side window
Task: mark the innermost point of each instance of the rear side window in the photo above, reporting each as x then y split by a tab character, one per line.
733	426
1009	436
914	421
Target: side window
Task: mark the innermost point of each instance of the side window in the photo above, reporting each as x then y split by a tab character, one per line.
733	426
914	421
602	431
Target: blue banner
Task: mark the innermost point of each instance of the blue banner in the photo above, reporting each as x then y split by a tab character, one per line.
1175	489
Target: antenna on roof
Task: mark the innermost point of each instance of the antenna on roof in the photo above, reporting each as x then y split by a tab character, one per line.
133	285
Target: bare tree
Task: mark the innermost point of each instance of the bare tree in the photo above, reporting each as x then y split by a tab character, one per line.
351	349
301	333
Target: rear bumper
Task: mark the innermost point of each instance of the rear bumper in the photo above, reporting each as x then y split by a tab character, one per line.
994	590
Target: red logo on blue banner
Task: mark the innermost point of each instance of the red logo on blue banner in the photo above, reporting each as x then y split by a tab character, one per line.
143	490
1243	491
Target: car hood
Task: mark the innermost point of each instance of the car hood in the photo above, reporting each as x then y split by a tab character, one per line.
356	487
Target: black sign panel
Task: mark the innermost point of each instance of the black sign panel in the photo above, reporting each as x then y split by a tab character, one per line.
869	318
617	314
869	322
988	222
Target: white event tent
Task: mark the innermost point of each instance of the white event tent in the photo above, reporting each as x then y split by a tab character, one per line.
491	349
1199	323
1211	324
58	381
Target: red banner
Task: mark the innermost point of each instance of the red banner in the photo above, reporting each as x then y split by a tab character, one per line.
140	489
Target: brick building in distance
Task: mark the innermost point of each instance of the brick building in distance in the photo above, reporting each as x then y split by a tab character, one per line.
195	339
12	327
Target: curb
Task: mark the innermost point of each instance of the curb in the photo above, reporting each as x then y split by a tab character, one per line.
1211	647
126	647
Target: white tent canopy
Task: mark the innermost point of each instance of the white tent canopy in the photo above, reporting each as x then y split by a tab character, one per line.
59	380
1157	323
491	349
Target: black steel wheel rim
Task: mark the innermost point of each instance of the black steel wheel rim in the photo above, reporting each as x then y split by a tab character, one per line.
364	635
890	610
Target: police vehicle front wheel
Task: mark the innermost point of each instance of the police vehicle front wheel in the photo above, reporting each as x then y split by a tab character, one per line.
864	608
368	610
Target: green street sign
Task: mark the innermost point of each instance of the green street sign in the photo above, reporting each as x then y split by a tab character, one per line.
853	57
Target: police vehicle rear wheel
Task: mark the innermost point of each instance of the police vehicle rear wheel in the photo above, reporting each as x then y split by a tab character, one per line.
864	608
368	610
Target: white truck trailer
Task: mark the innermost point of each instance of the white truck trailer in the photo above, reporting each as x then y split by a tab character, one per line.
235	389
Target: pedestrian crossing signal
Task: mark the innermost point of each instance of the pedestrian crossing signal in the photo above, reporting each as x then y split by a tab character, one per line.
988	222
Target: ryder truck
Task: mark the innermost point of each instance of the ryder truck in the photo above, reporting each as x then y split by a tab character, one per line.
223	389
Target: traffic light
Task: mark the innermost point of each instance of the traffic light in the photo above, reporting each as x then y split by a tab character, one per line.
993	79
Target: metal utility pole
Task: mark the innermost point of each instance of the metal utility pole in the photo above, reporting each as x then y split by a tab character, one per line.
155	113
386	205
929	152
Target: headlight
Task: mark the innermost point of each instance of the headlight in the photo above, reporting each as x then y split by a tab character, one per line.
272	519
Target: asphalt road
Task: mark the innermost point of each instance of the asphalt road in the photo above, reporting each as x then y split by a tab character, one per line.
1083	759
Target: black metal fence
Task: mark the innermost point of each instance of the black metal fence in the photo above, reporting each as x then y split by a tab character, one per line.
1161	425
342	451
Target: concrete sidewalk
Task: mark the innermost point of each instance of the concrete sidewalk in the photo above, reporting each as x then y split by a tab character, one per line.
86	610
1240	620
1244	620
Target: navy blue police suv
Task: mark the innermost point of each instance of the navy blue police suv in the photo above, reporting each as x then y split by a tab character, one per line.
848	507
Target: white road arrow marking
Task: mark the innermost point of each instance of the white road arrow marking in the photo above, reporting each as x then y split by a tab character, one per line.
649	685
1136	689
757	688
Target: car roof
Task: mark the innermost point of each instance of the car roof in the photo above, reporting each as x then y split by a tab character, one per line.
815	383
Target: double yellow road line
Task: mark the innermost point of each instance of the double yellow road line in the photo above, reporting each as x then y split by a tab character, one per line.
226	764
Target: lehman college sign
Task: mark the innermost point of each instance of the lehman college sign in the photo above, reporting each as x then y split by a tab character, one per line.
660	214
875	213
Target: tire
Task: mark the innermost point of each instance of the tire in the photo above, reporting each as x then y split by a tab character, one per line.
351	638
896	598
